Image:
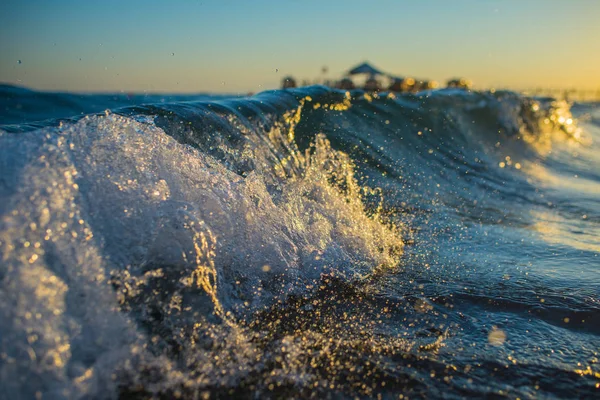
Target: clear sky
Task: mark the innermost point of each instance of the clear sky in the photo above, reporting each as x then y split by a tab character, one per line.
249	45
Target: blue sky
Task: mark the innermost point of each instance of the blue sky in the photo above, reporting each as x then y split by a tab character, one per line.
240	46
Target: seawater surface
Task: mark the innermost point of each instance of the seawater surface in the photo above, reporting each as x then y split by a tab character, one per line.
299	243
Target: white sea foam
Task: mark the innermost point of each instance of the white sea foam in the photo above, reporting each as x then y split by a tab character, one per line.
110	215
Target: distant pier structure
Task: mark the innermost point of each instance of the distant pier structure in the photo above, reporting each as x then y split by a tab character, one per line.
566	94
370	78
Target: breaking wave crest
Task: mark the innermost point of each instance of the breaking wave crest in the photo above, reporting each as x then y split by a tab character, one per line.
117	216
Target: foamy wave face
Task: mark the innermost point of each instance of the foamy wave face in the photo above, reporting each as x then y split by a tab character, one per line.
116	239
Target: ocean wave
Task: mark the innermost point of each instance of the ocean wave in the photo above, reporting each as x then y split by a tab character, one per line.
177	248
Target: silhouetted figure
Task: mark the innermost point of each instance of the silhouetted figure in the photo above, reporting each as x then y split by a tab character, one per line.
345	84
402	85
288	83
372	84
460	83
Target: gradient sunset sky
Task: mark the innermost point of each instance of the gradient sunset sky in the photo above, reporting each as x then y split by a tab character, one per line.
240	46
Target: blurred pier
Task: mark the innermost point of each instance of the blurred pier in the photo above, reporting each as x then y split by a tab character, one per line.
566	94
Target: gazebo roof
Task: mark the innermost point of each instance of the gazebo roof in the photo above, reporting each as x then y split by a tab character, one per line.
365	68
